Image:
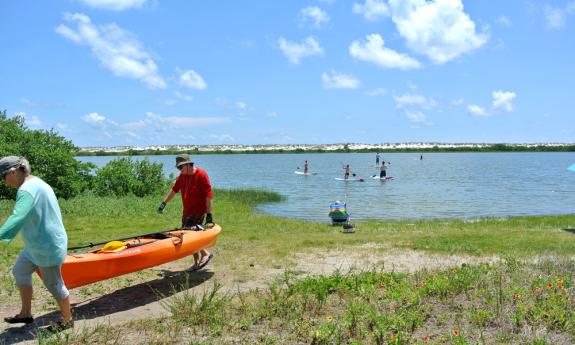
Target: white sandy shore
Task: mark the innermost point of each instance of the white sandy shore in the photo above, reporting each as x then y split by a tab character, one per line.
310	147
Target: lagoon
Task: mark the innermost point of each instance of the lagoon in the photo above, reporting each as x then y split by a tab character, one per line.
440	186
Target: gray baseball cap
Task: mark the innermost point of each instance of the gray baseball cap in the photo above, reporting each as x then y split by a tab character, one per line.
8	163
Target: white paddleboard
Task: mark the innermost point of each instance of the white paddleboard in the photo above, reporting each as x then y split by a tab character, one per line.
306	174
382	178
358	179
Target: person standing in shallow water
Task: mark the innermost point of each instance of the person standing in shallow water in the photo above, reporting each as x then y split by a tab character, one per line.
38	219
377	159
194	185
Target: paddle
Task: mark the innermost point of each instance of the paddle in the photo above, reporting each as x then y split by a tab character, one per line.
90	245
343	167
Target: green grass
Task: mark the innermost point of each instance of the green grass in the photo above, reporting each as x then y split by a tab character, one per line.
506	303
92	219
477	301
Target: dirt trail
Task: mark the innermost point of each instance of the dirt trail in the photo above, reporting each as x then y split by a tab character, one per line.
147	299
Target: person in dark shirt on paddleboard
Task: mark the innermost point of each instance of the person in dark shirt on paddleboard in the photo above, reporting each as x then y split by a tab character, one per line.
194	185
305	167
382	170
346	170
377	159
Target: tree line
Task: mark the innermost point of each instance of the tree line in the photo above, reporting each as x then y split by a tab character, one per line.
53	159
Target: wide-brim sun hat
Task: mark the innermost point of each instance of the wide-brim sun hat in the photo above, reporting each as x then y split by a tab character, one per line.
183	159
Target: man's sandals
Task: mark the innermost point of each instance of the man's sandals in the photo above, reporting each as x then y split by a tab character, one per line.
202	263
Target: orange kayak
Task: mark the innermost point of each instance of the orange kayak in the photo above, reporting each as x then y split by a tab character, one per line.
135	254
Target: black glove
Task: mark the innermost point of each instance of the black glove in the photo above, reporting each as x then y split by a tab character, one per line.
209	218
162	206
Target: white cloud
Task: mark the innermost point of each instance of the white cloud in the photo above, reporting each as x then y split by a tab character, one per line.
554	17
114	5
416	117
476	110
296	51
241	105
439	29
339	81
135	125
503	100
30	120
61	126
116	49
183	97
503	21
377	92
373	51
414	100
329	2
371	9
189	78
315	15
272	114
94	118
457	102
412	105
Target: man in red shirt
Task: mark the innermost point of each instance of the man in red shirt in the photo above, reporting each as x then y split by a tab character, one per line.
194	185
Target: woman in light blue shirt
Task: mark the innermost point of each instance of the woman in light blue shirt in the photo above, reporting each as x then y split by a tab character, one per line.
38	219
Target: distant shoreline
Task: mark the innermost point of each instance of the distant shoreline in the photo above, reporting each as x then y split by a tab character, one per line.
325	148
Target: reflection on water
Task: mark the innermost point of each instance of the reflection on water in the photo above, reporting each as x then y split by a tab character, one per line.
442	185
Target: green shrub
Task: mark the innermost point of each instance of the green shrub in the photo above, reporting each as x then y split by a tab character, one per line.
51	157
124	176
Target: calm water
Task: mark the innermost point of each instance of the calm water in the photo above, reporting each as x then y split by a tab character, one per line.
442	185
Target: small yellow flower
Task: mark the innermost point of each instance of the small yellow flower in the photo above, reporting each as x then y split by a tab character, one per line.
391	282
550	285
517	296
559	280
456	332
393	336
426	338
329	318
538	289
416	286
382	285
560	287
424	282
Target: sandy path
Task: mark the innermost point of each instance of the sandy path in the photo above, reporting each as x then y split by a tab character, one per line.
145	300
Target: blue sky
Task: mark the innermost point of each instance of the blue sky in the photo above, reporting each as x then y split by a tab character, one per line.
159	72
